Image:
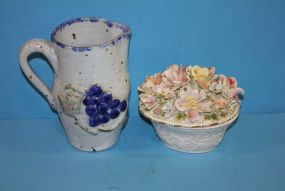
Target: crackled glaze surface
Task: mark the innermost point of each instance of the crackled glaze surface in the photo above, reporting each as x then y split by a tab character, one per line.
91	85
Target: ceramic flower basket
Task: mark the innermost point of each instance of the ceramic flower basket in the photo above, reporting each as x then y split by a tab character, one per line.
190	107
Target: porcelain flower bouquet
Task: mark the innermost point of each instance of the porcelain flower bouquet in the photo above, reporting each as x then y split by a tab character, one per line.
190	107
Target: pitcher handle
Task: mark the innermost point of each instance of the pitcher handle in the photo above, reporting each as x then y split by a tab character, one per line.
45	48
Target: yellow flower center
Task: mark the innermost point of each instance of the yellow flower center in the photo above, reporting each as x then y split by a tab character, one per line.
191	103
200	74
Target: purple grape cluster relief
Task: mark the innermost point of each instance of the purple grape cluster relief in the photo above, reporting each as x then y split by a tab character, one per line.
101	107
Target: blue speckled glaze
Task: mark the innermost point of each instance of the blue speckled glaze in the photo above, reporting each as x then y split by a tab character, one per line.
81	49
60	44
125	35
109	24
93	19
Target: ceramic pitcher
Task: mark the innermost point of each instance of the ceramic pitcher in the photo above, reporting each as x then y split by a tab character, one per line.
91	85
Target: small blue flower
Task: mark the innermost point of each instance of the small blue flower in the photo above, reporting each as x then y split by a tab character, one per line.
104	118
90	100
94	121
106	98
102	108
123	106
114	104
114	113
86	101
90	111
95	90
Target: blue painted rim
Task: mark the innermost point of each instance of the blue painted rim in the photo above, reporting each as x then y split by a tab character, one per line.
126	32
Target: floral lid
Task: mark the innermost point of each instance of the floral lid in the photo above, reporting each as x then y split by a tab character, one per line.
190	96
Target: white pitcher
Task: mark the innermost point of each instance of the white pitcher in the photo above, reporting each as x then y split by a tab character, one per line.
91	83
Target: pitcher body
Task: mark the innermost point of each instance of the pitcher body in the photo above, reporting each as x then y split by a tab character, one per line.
91	84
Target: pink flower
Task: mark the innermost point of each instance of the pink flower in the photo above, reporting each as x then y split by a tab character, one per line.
229	93
175	75
167	84
232	82
231	89
166	93
219	103
157	111
148	100
153	81
192	102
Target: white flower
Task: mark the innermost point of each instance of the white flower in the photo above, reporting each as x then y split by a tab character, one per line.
168	109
